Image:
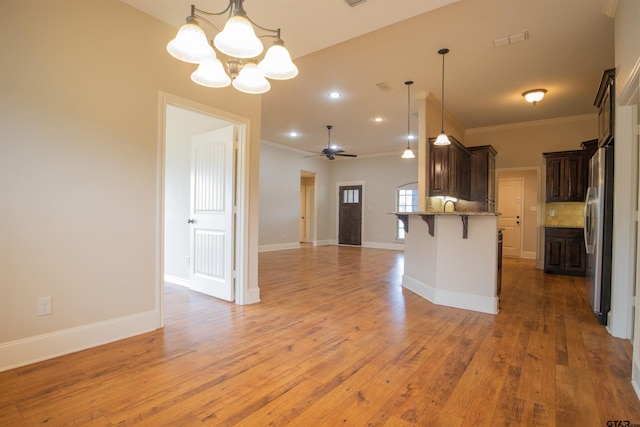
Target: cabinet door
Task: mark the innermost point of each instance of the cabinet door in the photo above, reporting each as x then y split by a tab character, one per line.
554	253
575	255
555	172
574	178
459	173
438	170
491	180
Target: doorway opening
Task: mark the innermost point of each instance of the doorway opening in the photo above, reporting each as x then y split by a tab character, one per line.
307	207
202	200
517	203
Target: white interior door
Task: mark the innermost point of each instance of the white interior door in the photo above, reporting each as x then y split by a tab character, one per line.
510	219
211	207
303	214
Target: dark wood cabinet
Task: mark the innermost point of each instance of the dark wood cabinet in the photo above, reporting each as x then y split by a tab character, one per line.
566	176
450	170
605	103
483	177
564	251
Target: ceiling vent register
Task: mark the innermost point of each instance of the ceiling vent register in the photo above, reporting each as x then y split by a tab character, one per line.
354	3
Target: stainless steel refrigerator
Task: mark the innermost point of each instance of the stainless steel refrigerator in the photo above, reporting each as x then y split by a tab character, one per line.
598	231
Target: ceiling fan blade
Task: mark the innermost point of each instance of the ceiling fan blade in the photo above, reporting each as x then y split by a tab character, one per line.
346	155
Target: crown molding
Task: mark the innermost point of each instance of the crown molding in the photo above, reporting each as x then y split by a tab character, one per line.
546	122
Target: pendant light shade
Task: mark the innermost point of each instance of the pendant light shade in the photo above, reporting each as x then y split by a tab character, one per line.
238	39
442	139
211	74
190	44
251	80
277	63
408	153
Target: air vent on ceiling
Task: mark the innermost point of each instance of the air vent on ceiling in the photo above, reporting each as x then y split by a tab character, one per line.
353	3
383	86
513	38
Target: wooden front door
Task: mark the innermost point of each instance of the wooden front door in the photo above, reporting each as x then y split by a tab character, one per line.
350	215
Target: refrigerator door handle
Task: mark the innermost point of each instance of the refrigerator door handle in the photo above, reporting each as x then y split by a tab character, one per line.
588	238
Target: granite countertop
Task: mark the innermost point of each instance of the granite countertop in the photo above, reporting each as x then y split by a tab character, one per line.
455	213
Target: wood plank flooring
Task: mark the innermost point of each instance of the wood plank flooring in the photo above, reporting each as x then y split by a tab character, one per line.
336	341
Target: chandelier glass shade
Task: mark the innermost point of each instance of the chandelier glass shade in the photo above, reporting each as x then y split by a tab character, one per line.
238	48
238	39
211	74
190	44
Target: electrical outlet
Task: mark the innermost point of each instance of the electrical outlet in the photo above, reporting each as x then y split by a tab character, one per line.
44	306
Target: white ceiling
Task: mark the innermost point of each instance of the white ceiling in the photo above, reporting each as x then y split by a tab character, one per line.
351	49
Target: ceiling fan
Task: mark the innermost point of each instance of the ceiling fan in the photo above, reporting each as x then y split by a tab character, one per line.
330	153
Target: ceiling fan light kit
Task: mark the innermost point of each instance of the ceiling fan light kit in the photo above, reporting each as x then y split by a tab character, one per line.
442	139
240	44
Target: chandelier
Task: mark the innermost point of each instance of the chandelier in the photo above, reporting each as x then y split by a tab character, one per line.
240	47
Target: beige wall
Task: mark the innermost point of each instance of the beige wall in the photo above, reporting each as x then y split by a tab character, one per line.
79	95
521	145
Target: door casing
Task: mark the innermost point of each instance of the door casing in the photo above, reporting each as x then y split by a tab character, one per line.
241	250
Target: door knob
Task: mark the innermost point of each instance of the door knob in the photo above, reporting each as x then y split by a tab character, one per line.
191	221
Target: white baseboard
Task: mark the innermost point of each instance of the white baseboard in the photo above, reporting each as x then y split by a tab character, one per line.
328	242
528	255
279	247
471	302
252	296
635	378
30	350
378	245
177	280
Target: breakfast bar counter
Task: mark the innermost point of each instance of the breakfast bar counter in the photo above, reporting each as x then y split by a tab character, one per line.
451	258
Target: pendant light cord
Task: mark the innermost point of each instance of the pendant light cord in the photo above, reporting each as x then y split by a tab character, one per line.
442	106
409	83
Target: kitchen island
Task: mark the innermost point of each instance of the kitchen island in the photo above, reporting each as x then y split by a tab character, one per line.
451	258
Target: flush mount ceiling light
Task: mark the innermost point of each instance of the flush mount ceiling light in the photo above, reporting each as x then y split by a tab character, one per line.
241	46
534	95
442	139
408	154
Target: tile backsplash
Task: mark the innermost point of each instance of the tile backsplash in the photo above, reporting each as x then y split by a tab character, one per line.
566	214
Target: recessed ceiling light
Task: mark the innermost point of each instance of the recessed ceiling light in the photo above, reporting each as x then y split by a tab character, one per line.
378	119
334	95
411	137
293	134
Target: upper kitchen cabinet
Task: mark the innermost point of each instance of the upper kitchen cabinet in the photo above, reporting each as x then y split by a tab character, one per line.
483	177
449	170
605	103
566	176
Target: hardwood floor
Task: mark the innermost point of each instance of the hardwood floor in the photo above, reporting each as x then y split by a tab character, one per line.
336	341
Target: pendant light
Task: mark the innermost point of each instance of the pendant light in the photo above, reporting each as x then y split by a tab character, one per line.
442	138
408	154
